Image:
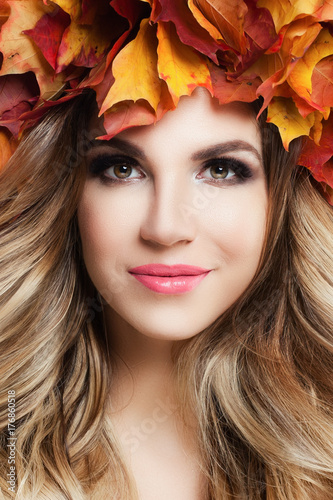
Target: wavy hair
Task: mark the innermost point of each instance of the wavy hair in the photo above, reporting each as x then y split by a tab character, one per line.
259	380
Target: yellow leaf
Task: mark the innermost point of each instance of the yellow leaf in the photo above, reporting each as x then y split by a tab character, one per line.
285	11
285	115
300	78
84	45
135	71
182	68
317	127
20	54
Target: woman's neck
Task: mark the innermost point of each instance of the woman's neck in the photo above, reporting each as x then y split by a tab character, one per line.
160	450
143	372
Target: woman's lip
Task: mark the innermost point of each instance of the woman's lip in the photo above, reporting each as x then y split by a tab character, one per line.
169	280
166	270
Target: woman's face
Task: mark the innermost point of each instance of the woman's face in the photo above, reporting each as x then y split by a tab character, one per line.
172	217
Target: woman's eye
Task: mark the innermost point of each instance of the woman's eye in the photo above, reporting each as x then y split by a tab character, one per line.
221	169
121	171
220	172
115	168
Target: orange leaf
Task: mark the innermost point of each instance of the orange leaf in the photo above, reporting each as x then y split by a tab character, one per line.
285	115
7	146
20	54
300	79
298	37
142	82
180	66
228	18
4	12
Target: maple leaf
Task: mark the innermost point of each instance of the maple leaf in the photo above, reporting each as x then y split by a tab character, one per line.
7	146
227	91
328	190
203	21
17	95
300	79
15	89
48	33
86	44
142	82
73	7
259	26
285	115
101	77
325	11
322	83
180	66
228	18
314	156
4	12
127	114
189	30
285	11
20	54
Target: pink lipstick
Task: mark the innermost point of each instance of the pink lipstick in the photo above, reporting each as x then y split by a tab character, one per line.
169	280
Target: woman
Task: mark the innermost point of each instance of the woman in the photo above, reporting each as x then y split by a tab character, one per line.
166	309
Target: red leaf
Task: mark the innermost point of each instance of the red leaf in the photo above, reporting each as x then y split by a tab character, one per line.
48	33
15	89
12	119
322	83
259	26
32	117
314	156
18	93
189	30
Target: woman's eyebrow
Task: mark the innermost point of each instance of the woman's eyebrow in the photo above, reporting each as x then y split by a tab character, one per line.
125	146
224	148
204	154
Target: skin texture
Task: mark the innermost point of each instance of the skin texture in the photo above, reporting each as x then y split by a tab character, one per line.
171	211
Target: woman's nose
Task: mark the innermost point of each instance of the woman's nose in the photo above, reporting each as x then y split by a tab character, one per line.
167	221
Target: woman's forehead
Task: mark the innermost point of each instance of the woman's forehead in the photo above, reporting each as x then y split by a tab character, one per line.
199	114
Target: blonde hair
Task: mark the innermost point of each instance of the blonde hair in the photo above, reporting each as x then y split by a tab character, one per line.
259	379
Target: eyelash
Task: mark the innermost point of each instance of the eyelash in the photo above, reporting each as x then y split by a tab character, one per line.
103	162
